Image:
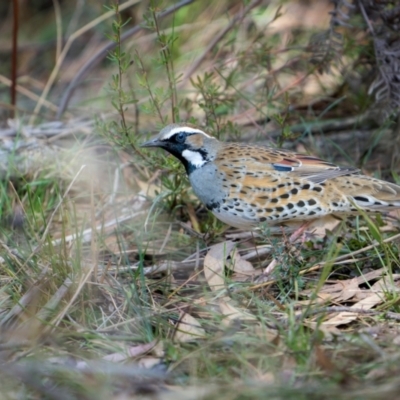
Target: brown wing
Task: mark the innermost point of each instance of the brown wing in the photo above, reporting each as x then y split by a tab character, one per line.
296	165
283	185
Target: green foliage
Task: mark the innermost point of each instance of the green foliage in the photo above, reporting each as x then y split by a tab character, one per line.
112	305
121	133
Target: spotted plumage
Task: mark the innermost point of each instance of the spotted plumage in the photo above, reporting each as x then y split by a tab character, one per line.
245	185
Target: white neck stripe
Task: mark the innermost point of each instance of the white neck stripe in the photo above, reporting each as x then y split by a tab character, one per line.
183	129
194	157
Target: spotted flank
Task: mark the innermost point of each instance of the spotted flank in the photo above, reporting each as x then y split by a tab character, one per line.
246	185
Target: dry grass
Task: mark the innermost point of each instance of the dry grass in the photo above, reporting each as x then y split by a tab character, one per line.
116	283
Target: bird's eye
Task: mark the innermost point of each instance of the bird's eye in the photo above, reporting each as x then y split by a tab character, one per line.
180	137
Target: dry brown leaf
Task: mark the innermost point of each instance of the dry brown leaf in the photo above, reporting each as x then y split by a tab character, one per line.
240	264
321	299
214	263
243	269
345	290
361	294
382	285
320	226
231	312
372	275
188	329
149	362
385	284
342	318
132	351
377	296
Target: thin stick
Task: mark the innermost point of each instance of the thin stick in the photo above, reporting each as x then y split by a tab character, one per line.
57	13
65	50
104	51
14	57
238	17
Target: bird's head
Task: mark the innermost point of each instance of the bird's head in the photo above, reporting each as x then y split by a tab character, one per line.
193	147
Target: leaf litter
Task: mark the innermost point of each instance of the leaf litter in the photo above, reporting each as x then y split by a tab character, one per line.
193	286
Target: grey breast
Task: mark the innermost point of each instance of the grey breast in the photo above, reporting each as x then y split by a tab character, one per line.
207	185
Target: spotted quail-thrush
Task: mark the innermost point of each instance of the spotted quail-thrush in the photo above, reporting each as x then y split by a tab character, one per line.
245	185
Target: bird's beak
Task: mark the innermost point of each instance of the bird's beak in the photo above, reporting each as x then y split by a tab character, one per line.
152	143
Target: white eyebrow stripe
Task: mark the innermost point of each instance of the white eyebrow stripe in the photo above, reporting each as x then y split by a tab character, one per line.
183	129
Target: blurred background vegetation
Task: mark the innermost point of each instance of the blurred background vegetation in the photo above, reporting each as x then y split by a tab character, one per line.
101	245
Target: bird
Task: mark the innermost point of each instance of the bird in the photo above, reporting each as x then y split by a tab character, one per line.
247	185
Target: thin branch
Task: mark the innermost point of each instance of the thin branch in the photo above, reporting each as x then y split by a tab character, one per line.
65	50
105	50
238	17
14	57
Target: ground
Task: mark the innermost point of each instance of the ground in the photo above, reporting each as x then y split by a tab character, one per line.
115	282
